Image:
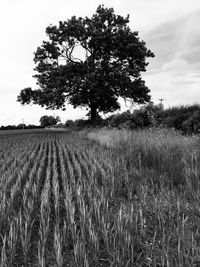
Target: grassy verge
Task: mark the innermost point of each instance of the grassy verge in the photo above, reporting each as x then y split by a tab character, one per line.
159	187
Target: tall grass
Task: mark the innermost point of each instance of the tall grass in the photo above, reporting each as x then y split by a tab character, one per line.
160	169
162	151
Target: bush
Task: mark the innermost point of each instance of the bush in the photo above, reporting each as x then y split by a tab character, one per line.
69	123
183	118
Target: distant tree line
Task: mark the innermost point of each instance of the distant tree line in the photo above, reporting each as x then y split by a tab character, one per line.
20	126
45	121
185	119
182	118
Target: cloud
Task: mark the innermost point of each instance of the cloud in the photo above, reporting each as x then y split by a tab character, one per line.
176	65
149	14
178	83
176	39
176	90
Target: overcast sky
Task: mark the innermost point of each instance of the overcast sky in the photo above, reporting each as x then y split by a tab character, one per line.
170	29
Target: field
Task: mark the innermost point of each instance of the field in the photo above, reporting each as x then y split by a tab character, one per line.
99	198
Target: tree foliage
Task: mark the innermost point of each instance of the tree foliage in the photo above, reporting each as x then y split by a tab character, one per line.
90	62
47	121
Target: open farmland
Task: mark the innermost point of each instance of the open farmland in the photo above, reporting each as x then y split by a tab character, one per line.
99	198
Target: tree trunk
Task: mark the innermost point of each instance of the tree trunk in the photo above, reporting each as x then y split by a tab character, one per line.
93	113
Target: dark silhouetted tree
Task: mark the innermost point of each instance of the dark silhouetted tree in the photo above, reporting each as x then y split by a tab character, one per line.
47	121
90	62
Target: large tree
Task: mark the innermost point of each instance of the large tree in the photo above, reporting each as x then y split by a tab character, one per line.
90	62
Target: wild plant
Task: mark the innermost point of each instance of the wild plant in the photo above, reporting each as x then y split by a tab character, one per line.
25	225
43	234
55	185
3	262
44	222
12	239
58	245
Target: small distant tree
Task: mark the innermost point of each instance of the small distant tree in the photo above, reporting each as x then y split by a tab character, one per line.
47	121
69	123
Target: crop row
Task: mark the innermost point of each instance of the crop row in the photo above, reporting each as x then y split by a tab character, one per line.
51	189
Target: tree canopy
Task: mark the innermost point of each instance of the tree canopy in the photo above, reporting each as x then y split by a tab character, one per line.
90	62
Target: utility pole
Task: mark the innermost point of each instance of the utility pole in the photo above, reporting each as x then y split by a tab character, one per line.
161	102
